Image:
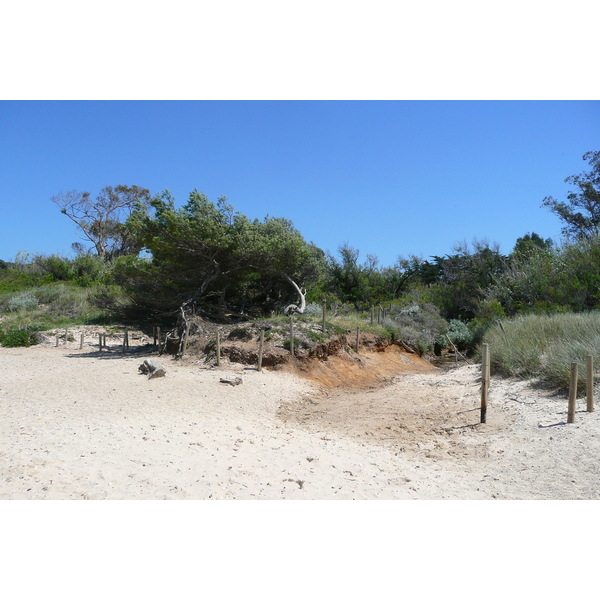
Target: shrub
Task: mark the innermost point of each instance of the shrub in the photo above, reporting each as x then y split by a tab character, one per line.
23	301
15	338
418	323
55	268
460	334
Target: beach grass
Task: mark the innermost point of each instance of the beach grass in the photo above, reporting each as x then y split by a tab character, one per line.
542	347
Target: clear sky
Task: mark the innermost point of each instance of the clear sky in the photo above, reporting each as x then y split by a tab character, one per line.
389	178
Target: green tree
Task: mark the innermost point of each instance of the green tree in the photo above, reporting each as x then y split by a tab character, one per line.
581	213
566	278
529	244
464	278
207	256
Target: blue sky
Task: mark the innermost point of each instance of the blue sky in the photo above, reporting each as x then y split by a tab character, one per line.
388	177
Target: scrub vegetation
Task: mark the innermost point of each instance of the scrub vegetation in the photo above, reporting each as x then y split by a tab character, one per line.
149	261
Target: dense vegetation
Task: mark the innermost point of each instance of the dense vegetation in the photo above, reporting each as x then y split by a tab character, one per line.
150	260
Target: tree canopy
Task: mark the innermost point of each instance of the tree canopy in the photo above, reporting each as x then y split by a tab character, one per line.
209	256
101	221
581	213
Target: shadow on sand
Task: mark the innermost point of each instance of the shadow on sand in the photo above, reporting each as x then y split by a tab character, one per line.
116	352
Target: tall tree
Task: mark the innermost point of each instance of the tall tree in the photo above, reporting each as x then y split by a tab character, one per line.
581	213
101	221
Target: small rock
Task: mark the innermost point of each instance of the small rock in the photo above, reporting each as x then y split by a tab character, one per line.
235	381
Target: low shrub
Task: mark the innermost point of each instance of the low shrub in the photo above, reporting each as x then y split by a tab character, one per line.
22	301
459	333
16	338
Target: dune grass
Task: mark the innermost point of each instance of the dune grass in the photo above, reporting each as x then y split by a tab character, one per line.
47	306
542	347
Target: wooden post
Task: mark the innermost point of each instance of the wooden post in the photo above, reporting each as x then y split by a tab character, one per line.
158	338
590	382
572	393
57	339
81	342
124	341
66	335
126	338
357	338
154	334
292	335
218	349
485	380
372	314
260	348
324	315
185	339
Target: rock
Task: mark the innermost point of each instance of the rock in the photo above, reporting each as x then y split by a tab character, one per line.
151	368
235	381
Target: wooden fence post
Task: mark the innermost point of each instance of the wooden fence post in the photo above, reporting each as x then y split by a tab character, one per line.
590	382
357	338
57	339
81	342
186	338
218	349
572	393
485	380
260	348
292	334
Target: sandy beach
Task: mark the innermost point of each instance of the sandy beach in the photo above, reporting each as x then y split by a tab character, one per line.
80	424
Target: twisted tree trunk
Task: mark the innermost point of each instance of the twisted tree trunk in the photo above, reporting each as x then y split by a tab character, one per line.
293	308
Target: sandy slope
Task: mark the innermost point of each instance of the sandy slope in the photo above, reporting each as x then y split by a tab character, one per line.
76	424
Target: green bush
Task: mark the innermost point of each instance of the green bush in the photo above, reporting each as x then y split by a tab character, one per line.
15	338
460	334
22	301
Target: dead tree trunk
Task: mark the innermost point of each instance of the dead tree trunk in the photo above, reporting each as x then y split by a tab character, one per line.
293	308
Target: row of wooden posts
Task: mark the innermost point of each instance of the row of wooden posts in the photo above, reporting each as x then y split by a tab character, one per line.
101	340
485	362
589	363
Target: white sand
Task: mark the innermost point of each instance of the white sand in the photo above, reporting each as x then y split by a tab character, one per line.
76	425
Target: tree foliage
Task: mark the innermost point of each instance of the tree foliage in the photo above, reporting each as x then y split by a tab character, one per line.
367	283
581	213
209	256
464	277
101	221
